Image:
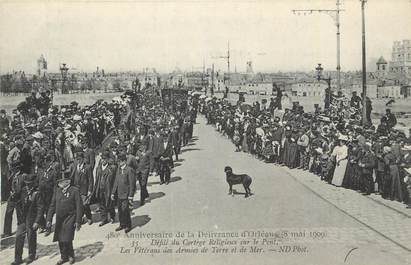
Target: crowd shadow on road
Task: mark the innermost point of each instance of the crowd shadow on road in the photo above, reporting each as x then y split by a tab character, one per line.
81	253
152	183
177	164
190	149
88	251
193	139
172	179
152	196
139	221
175	179
52	250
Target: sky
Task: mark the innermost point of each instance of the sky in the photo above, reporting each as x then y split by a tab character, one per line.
131	35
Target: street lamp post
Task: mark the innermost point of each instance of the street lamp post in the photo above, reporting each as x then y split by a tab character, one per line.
364	69
327	100
64	70
335	14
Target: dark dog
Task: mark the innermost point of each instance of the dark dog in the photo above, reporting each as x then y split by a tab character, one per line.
233	179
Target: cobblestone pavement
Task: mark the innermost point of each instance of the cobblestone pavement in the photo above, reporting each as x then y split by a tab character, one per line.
356	229
389	219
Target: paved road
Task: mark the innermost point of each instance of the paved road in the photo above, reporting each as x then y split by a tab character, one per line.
197	200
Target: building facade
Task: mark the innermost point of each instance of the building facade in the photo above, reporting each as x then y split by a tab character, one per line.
401	57
308	89
393	91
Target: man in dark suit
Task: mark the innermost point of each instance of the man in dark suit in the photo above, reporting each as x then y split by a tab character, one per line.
26	158
158	149
391	119
47	177
105	175
176	141
148	142
17	184
166	160
30	208
68	207
124	188
82	178
143	172
89	154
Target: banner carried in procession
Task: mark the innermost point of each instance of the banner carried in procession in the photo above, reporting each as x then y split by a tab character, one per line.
174	98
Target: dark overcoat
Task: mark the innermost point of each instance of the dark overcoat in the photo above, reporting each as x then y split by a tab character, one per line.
104	183
68	208
124	183
82	178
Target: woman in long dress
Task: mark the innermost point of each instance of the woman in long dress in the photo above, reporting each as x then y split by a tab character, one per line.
393	173
340	152
351	169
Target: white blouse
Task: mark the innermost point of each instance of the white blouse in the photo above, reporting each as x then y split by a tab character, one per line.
340	152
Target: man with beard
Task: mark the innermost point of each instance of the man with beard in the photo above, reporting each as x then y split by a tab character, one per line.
82	178
47	176
30	208
68	207
124	188
105	175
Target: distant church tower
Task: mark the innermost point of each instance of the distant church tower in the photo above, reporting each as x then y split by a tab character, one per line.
382	67
249	67
41	66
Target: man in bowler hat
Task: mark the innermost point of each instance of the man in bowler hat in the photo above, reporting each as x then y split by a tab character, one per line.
68	207
124	188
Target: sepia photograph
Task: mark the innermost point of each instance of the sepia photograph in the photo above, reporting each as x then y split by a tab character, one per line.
197	132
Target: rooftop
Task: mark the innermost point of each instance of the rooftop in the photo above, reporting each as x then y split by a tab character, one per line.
381	61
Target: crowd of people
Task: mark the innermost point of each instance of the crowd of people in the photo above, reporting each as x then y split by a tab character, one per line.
332	143
61	160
